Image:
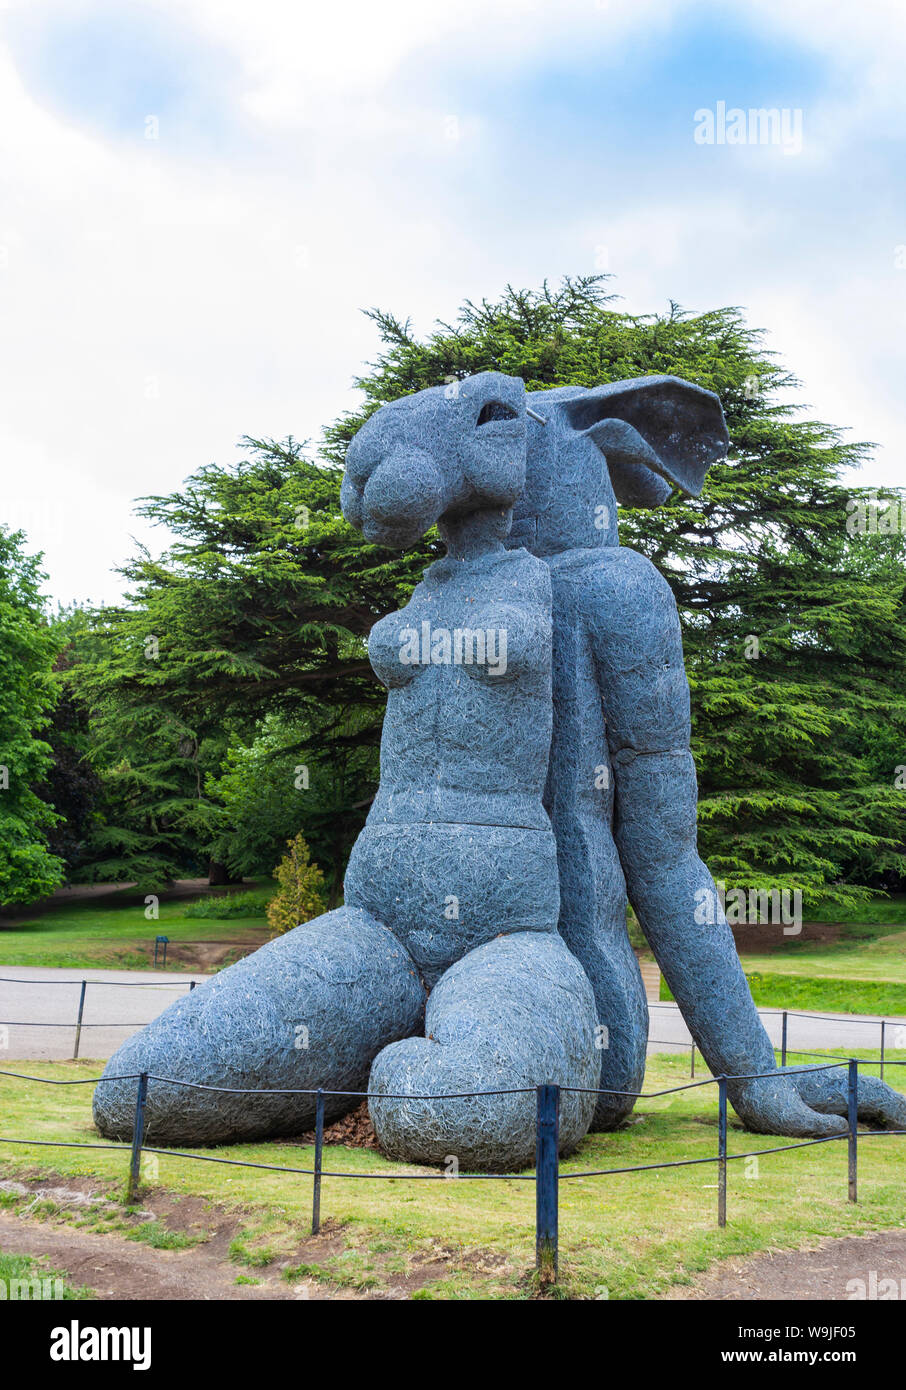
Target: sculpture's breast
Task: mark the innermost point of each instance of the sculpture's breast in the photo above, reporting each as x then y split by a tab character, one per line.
490	622
468	666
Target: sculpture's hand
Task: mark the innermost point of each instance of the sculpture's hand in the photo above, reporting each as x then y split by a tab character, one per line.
774	1105
828	1091
808	1103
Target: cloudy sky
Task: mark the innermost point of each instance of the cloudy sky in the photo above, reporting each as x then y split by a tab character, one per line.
198	197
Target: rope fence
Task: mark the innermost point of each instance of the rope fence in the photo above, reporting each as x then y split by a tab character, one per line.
786	1051
547	1175
83	984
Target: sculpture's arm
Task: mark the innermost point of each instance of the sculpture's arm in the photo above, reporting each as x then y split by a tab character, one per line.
639	659
634	628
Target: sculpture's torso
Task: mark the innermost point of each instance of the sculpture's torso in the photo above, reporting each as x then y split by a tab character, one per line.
458	847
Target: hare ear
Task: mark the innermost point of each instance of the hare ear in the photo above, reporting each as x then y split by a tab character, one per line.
656	432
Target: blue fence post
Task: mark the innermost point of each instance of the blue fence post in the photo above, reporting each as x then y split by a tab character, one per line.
319	1146
138	1133
722	1151
547	1181
853	1108
78	1027
783	1039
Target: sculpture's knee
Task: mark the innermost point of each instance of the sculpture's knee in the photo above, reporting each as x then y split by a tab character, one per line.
310	1009
516	1013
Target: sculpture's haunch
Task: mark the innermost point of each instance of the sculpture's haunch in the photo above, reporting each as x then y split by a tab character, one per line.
311	1008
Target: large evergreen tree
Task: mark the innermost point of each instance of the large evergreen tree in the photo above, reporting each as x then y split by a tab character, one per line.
28	649
260	611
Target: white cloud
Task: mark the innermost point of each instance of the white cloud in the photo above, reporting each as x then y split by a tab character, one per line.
228	277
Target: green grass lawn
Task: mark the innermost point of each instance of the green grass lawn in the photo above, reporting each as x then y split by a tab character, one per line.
873	952
883	910
863	971
773	989
627	1236
113	932
822	994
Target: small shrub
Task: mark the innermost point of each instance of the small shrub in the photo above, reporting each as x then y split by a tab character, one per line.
301	893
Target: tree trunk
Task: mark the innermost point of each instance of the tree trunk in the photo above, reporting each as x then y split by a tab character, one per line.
219	875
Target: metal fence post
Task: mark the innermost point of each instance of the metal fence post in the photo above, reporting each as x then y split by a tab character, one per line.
192	984
78	1027
883	1041
853	1145
722	1151
319	1146
547	1175
692	1063
783	1039
138	1132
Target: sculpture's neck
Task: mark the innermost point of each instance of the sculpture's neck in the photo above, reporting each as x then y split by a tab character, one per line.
477	533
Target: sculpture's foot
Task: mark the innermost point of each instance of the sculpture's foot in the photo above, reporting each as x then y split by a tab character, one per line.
311	1008
516	1012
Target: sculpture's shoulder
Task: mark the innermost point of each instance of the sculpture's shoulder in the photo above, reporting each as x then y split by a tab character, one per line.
628	614
616	590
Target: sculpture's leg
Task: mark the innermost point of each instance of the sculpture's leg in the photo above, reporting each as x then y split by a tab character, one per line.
310	1009
516	1012
593	925
611	965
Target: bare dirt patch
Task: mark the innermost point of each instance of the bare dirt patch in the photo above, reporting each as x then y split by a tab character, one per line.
212	955
766	938
807	1275
83	1230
